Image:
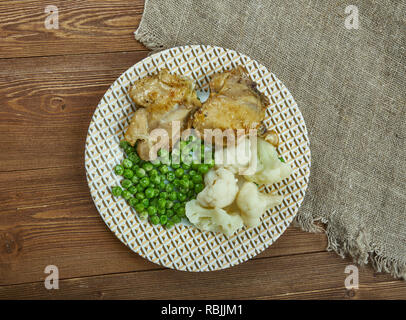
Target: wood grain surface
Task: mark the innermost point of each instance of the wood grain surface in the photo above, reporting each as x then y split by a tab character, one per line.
50	84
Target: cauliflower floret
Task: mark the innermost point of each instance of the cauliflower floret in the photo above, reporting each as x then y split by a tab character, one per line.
235	158
220	190
254	203
269	168
215	220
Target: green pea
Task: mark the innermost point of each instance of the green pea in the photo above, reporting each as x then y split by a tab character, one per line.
197	178
175	165
170	176
153	172
210	164
132	189
180	212
133	157
140	188
191	184
176	219
140	196
164	169
129	149
148	166
154	202
163	219
162	185
169	204
156	192
176	183
161	203
140	172
169	225
126	195
116	191
155	179
149	193
168	187
118	169
124	144
132	201
127	163
172	196
182	197
145	202
143	215
134	179
203	168
139	207
186	166
177	205
199	187
190	194
170	213
144	182
163	195
156	162
195	166
161	211
151	210
183	190
192	173
179	172
128	173
125	183
154	219
184	184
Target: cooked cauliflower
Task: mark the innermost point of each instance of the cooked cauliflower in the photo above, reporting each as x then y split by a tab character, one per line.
269	169
215	220
220	189
235	158
254	203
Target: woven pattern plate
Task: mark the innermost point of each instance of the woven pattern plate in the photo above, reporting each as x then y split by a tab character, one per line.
185	247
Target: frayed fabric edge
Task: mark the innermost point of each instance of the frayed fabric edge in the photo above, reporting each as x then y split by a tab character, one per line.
145	36
147	39
360	249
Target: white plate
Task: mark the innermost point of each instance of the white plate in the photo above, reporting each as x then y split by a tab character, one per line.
185	247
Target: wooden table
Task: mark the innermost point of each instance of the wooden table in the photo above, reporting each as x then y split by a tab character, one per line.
50	84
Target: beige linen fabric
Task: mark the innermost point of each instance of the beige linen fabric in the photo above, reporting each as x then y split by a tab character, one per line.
350	86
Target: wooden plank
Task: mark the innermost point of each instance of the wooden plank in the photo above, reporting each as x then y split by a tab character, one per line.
315	275
84	27
47	217
45	110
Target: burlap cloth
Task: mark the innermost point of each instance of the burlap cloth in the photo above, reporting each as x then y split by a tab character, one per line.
350	86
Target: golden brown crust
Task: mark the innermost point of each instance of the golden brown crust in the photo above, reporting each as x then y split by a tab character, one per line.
161	99
234	103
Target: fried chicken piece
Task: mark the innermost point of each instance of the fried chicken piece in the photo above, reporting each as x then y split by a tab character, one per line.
234	103
162	98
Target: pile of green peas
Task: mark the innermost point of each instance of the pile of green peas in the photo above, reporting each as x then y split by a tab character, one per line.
157	190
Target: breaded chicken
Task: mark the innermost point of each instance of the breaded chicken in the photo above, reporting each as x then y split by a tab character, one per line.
234	103
161	98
